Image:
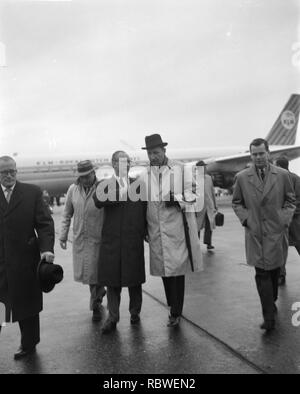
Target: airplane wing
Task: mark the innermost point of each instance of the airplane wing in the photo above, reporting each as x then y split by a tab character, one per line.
223	169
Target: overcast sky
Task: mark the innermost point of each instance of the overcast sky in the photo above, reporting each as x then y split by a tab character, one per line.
88	75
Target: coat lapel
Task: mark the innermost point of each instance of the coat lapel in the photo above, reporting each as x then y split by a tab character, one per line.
270	181
254	180
15	199
3	202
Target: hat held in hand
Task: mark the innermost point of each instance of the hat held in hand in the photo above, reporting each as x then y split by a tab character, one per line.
49	275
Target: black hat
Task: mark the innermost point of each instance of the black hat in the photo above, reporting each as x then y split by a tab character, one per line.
49	275
84	168
153	141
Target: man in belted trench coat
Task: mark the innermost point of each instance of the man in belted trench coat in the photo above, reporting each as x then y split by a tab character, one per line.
26	236
169	254
264	201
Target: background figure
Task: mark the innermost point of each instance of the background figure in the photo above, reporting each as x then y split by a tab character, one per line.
122	262
87	228
169	254
294	229
26	237
47	199
206	218
264	201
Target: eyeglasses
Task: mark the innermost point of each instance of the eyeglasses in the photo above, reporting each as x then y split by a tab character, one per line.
8	172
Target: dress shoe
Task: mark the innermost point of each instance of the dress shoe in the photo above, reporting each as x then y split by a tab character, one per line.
173	321
21	353
210	247
108	327
268	325
281	281
97	315
135	319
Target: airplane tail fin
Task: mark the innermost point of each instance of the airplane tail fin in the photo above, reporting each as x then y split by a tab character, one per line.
284	131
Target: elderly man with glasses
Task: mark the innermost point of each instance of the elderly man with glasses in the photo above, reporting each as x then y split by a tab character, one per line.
26	237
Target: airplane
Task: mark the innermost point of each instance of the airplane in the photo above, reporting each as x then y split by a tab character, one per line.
56	174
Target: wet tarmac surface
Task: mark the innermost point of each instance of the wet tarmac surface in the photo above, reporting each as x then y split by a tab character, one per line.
219	332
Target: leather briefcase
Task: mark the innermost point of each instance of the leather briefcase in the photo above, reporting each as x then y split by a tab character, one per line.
219	219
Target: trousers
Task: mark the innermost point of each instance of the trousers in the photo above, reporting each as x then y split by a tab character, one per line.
174	290
267	287
114	299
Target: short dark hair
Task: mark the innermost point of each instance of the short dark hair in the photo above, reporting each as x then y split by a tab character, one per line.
282	162
258	142
116	154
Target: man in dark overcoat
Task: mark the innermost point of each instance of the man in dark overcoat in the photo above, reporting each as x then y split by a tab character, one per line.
121	260
26	236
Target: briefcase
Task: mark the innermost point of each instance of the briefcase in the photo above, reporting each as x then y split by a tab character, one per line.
219	219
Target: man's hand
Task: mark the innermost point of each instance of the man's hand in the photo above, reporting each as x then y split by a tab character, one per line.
48	256
63	244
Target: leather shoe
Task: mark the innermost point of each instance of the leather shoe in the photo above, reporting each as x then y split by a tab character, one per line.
173	321
135	319
21	353
210	247
108	327
281	281
268	325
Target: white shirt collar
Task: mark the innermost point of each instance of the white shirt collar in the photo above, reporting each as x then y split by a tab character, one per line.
4	188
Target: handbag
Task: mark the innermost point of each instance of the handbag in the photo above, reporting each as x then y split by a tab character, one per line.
219	219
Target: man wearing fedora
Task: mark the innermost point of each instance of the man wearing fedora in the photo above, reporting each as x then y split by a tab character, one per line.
26	237
172	254
87	228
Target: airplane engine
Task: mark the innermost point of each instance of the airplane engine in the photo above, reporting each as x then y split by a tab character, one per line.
223	180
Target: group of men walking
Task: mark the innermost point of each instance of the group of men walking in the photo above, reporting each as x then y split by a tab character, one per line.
109	230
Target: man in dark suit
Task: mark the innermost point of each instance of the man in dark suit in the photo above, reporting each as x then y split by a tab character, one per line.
26	236
121	261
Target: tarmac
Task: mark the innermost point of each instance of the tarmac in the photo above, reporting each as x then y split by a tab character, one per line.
219	331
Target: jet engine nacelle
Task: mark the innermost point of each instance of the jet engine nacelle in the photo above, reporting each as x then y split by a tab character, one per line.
223	180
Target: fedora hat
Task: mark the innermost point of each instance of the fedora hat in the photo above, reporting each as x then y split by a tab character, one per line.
153	141
49	275
84	167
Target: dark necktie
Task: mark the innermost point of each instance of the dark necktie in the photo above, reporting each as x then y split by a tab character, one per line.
8	194
262	174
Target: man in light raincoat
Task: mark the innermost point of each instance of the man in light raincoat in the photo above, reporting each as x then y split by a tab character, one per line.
174	248
87	229
264	201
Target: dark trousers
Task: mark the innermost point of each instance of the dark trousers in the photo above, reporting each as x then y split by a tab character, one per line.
174	289
267	286
30	332
114	299
207	231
